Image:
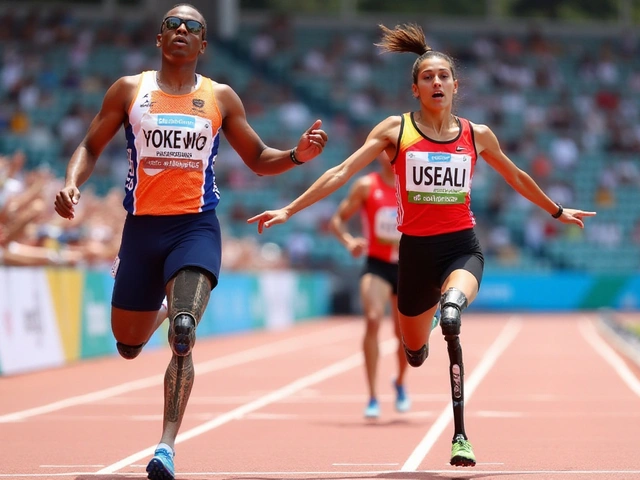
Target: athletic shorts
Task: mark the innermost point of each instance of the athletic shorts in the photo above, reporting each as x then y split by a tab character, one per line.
155	248
385	270
426	262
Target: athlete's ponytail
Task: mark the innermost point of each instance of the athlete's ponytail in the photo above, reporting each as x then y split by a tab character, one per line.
410	38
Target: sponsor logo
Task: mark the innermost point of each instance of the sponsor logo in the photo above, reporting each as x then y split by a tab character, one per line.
176	121
439	157
172	164
198	103
457	384
114	266
459	149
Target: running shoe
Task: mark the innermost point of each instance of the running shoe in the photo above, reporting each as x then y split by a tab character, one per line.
373	409
403	402
161	466
435	321
462	453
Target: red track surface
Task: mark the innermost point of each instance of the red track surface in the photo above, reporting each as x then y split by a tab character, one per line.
547	398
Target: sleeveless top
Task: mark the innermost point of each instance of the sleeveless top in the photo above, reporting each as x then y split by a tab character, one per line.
434	180
172	144
379	220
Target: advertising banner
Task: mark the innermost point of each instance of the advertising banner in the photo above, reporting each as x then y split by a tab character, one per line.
29	335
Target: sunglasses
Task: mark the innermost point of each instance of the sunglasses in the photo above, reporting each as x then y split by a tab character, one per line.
173	23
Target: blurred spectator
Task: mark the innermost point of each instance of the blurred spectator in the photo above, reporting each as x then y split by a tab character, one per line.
565	103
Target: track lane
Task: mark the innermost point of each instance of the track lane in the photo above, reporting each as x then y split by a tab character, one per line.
317	431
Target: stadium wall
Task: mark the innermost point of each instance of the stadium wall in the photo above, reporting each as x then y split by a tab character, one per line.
51	316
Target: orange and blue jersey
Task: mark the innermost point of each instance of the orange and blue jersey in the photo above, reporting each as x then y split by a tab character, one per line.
434	180
172	144
379	219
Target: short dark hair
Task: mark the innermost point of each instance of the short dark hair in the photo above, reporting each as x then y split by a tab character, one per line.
204	20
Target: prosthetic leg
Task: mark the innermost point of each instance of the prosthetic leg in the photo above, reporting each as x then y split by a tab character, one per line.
452	303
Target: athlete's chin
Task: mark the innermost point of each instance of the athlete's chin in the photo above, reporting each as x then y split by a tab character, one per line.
181	55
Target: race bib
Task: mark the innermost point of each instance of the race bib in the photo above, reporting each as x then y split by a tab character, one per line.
385	225
173	141
438	178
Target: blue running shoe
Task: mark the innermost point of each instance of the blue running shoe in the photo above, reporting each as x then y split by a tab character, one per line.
161	466
403	402
435	321
373	409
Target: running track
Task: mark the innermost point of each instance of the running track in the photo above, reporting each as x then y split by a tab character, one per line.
548	398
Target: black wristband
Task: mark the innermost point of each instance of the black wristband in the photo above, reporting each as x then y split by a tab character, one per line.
292	154
558	214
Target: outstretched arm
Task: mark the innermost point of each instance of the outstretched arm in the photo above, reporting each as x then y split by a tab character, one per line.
488	146
260	158
382	137
348	207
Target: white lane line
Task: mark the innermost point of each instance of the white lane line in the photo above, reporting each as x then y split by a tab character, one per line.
328	372
71	466
507	335
450	473
282	347
590	334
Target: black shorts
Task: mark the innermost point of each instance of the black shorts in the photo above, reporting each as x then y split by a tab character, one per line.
155	248
426	262
385	270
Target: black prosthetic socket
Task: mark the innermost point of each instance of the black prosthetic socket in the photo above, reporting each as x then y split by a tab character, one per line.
128	351
182	334
415	358
452	303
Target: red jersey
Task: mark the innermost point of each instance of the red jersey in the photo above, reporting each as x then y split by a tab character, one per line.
434	180
379	220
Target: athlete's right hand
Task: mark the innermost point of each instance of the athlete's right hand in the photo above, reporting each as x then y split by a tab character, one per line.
268	218
357	247
66	199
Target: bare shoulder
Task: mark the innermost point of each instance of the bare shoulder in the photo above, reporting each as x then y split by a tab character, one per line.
363	182
123	90
221	88
360	189
227	98
480	128
388	129
392	121
127	83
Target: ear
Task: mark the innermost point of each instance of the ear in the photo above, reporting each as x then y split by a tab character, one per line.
455	87
203	47
159	40
415	91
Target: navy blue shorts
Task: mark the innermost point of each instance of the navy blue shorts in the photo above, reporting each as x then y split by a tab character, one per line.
385	270
155	248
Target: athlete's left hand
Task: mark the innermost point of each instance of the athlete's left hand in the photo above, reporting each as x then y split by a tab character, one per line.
268	218
571	215
311	142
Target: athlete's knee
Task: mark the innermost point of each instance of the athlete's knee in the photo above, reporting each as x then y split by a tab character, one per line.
452	303
415	358
182	334
128	351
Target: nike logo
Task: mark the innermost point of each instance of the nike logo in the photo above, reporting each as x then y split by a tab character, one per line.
459	149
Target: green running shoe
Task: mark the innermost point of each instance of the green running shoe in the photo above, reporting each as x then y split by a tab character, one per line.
462	453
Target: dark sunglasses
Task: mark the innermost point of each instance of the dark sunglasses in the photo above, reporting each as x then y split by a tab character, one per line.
173	23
